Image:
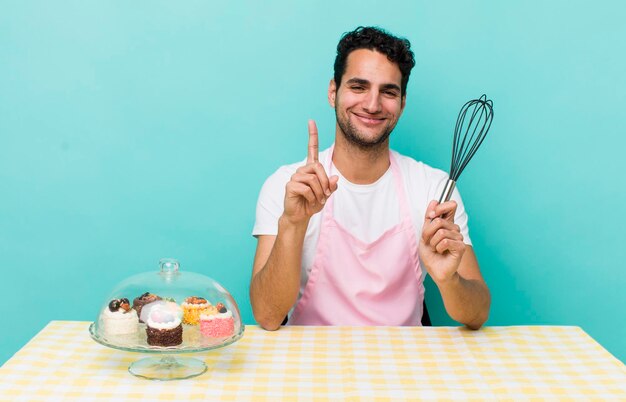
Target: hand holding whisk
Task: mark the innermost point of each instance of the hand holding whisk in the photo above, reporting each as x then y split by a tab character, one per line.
470	131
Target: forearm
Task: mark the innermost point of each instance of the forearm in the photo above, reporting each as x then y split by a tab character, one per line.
466	300
274	289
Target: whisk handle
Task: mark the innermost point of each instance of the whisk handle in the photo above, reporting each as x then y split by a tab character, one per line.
447	191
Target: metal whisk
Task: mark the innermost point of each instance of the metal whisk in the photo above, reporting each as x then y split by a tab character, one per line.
470	131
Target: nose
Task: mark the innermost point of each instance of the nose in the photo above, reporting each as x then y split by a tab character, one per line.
371	103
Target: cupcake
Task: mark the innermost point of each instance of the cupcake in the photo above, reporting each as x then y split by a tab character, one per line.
218	325
119	318
142	300
193	307
164	324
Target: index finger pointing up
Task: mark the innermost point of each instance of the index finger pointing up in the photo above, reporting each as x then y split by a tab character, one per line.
313	143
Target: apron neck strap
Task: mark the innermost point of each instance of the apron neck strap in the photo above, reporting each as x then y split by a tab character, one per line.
397	179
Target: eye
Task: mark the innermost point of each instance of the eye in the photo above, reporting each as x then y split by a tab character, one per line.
391	93
357	88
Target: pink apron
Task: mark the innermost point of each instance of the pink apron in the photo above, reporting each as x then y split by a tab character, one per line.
357	283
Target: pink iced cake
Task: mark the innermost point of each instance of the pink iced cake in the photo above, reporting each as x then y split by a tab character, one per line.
218	325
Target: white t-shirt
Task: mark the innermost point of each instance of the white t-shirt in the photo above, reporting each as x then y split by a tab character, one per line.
366	210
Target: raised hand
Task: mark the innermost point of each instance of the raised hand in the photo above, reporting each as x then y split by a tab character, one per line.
441	245
309	188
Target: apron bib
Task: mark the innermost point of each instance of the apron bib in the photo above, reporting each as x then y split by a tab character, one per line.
357	283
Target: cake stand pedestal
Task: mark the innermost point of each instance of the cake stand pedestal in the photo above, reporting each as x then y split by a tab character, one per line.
166	368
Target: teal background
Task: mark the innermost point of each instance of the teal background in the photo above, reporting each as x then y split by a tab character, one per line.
131	131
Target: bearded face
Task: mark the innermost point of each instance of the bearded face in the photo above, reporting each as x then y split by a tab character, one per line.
368	102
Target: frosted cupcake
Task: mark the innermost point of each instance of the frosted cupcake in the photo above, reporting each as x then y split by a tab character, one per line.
164	324
218	325
193	307
119	318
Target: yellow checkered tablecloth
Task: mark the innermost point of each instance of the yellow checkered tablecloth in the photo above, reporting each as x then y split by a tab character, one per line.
335	363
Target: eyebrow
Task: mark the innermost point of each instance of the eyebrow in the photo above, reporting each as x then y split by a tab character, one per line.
391	86
361	81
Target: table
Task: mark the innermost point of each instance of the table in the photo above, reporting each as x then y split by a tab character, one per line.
336	363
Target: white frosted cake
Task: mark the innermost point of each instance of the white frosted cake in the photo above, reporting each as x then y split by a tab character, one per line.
118	318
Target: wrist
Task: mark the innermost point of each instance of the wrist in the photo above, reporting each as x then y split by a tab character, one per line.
450	282
285	225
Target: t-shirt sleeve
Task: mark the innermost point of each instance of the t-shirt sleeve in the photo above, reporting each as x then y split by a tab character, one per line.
270	204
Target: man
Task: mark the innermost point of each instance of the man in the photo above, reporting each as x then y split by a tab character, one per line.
344	237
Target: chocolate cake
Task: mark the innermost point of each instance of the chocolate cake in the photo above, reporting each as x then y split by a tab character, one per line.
165	337
142	300
164	324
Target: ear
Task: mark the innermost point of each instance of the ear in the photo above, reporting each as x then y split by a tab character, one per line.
332	92
403	103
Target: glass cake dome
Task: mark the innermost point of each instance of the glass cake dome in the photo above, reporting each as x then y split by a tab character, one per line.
164	312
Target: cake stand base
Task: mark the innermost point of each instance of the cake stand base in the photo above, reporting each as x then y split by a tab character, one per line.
167	368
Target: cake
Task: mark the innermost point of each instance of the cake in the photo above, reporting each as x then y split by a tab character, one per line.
164	324
119	318
220	324
193	307
142	300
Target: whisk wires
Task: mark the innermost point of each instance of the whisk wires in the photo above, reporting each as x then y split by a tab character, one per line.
470	131
468	137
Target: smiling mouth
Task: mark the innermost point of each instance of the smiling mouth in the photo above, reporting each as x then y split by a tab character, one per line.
369	120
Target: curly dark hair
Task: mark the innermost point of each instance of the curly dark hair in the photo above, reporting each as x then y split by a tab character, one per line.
397	50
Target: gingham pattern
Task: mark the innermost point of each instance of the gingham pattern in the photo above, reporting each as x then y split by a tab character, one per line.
332	363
